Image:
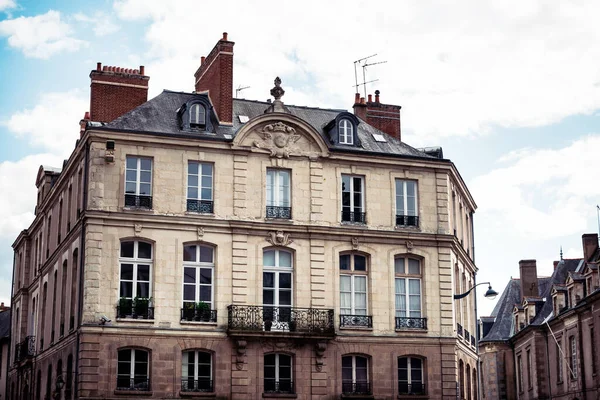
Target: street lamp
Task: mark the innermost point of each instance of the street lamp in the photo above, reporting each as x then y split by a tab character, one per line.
60	384
489	294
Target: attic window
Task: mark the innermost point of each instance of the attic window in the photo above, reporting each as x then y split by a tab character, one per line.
197	116
243	118
378	137
345	131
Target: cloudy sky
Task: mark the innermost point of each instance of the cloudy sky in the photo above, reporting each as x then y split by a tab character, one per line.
510	89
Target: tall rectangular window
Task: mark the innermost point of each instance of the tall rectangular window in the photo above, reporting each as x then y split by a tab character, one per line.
406	203
520	373
353	199
278	373
135	281
529	371
198	281
593	353
353	291
559	361
200	187
138	182
573	351
278	194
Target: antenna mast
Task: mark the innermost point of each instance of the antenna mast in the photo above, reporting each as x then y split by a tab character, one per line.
364	66
239	89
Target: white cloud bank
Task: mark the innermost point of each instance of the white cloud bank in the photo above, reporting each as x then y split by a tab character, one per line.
7	4
40	36
101	23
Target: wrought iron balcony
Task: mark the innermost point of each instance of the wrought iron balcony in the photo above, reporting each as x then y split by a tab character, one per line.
467	336
198	385
134	384
192	312
312	321
411	388
132	200
407	220
200	206
356	388
473	341
140	310
459	329
282	386
354	321
25	349
279	212
357	217
411	323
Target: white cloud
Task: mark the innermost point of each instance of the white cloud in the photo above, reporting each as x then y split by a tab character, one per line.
40	36
52	124
7	4
101	23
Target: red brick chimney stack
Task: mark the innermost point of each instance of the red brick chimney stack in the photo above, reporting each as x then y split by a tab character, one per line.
385	117
215	75
3	307
590	244
529	281
115	91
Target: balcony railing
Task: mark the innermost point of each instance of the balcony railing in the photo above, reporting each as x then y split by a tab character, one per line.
316	321
467	336
473	341
198	385
134	384
407	220
282	386
200	206
356	388
279	212
411	323
132	200
358	217
139	310
194	313
352	321
411	388
25	349
459	329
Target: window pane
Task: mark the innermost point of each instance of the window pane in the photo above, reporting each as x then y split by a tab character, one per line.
270	359
205	294
399	265
402	362
347	362
204	358
131	175
143	290
131	162
360	263
124	368
345	262
285	259
206	181
269	279
192	193
126	289
127	271
192	167
414	267
204	371
207	169
127	249
189	275
206	276
360	283
206	254
268	296
189	293
285	298
193	180
414	286
189	253
206	194
146	164
345	283
145	176
145	189
144	250
410	188
130	187
143	273
269	258
285	281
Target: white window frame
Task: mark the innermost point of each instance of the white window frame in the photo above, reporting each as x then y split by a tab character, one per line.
409	370
277	269
346	131
573	351
138	170
402	198
135	261
353	274
200	186
275	186
352	191
277	367
559	356
197	116
132	365
408	277
185	365
197	265
354	357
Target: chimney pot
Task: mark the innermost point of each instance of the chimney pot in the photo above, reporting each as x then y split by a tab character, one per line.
370	98
225	36
590	244
529	281
99	66
202	59
142	70
86	116
362	100
357	98
377	96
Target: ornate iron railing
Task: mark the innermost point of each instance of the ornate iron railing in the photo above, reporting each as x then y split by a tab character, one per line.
135	312
267	318
197	385
193	313
279	212
200	206
356	388
411	388
132	200
136	383
364	321
473	341
467	336
25	349
459	329
358	217
411	323
281	386
407	220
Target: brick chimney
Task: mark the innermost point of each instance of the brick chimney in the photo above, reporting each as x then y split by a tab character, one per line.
590	244
215	75
3	307
529	281
115	91
385	117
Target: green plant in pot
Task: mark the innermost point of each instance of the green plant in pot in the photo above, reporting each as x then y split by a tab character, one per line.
203	311
125	307
141	307
292	325
189	310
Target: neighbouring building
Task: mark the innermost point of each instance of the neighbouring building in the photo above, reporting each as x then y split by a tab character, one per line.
200	245
542	339
4	347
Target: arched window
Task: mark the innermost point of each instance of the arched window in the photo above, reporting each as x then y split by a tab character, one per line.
355	375
277	288
198	283
135	287
468	375
197	116
408	294
54	290
49	382
74	284
63	292
410	376
196	372
38	386
132	370
461	378
346	132
278	373
353	291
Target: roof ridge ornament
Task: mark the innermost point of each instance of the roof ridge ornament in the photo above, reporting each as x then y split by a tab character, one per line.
277	92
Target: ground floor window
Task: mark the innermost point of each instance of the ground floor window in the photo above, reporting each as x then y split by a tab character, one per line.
278	373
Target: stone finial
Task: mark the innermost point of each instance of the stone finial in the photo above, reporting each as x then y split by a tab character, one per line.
277	91
277	105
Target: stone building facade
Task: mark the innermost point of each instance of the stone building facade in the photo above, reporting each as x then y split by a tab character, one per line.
197	245
542	340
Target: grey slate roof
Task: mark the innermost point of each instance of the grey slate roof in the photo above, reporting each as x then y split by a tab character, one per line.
159	115
503	327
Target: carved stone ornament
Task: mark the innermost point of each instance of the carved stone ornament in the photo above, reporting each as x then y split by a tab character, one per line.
409	245
279	238
278	138
241	352
320	348
355	242
279	344
200	231
137	229
277	92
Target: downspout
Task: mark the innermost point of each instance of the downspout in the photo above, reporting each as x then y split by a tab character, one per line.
81	268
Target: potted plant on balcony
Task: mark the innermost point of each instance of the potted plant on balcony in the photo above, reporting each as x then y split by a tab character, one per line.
203	311
268	324
292	325
124	307
188	311
141	307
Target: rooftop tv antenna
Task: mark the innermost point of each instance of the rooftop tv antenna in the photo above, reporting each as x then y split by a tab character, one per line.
364	63
239	89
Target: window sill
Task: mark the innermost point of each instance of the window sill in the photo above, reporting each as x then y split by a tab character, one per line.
356	328
138	209
197	394
355	224
279	220
411	330
118	392
200	214
201	323
280	395
145	321
413	396
411	227
357	396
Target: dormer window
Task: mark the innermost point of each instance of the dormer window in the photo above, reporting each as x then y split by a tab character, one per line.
346	132
197	116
